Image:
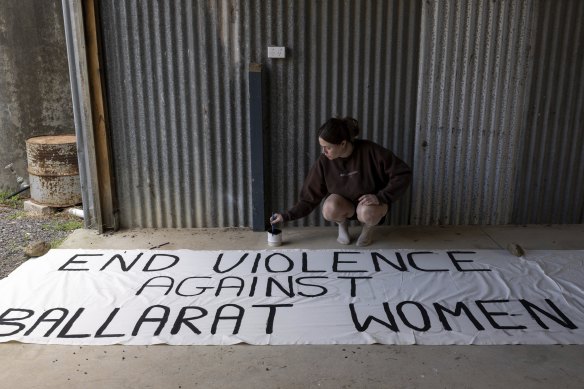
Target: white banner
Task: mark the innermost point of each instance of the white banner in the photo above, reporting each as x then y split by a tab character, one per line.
184	297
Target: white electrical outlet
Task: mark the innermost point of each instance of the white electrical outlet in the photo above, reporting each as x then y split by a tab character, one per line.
276	52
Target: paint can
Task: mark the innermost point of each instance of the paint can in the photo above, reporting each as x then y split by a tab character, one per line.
274	237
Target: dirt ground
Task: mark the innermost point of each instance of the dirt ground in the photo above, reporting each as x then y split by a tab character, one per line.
19	229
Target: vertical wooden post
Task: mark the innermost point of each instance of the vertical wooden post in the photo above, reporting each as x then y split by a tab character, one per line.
98	112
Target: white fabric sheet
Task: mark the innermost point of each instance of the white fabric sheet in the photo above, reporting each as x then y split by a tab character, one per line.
184	297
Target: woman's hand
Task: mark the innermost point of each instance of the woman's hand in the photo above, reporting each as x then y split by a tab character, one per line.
369	199
276	218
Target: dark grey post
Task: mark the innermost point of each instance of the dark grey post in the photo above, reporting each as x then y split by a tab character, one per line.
86	155
257	146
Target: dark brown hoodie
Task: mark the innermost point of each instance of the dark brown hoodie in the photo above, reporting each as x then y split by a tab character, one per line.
370	169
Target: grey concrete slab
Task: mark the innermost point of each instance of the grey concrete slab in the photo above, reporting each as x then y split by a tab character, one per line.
293	238
244	366
540	237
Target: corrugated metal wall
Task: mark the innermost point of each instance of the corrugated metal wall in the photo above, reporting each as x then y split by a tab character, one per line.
176	79
346	58
550	183
500	122
473	72
176	75
471	93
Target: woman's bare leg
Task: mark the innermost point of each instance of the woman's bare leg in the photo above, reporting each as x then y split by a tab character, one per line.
370	216
338	209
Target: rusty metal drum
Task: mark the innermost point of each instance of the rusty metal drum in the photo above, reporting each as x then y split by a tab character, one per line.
53	170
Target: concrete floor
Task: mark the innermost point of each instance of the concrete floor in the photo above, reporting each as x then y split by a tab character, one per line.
244	366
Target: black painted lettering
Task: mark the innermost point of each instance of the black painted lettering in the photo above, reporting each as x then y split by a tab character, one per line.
457	261
216	268
272	281
65	330
458	309
122	262
168	285
561	319
254	282
44	318
199	289
305	265
145	319
272	314
300	281
182	319
101	330
175	260
354	284
415	266
6	320
290	264
238	317
337	261
423	313
72	261
239	286
391	324
401	266
489	314
256	263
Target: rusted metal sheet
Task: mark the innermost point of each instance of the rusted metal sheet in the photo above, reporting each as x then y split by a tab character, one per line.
53	170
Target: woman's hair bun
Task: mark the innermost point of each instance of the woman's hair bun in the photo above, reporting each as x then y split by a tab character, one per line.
336	130
352	126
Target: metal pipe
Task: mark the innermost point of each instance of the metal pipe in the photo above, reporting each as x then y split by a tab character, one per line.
75	212
19	180
19	191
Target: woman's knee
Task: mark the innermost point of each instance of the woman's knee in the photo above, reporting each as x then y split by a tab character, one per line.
337	208
371	214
